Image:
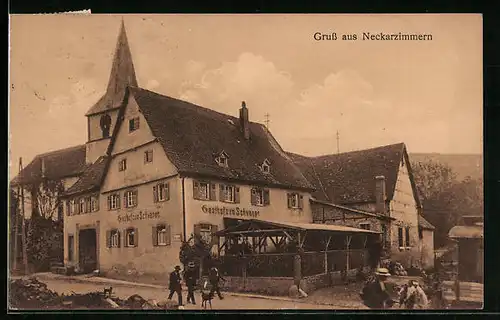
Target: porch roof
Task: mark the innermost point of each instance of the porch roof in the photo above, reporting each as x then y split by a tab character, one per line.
466	232
257	226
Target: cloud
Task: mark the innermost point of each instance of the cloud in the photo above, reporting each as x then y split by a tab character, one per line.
250	78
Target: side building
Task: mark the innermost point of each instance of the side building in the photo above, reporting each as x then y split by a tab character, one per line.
372	189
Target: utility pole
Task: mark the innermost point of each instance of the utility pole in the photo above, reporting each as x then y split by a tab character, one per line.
338	142
267	120
25	254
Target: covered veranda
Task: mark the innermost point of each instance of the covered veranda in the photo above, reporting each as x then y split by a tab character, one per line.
298	251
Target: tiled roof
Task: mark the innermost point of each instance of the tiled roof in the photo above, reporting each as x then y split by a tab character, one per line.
350	177
91	178
122	75
192	136
424	224
68	162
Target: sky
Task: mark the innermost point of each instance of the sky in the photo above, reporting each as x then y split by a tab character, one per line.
427	94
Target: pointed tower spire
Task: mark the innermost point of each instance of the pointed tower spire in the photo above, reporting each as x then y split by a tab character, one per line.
122	75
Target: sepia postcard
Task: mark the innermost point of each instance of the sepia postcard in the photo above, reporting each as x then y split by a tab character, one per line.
238	162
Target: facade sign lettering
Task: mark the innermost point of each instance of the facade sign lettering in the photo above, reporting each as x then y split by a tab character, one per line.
139	216
238	212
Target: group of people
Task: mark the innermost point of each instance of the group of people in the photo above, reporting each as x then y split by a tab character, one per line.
376	295
190	276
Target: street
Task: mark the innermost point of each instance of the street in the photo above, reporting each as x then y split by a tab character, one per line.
230	302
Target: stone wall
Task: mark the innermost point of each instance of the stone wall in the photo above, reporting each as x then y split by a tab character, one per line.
313	283
276	286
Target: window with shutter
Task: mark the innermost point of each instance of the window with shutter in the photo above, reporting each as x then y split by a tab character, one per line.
163	235
148	156
94	203
71	247
253	197
114	201
203	191
400	237
236	195
267	199
227	193
122	165
407	237
114	239
293	200
301	201
161	192
133	124
130	238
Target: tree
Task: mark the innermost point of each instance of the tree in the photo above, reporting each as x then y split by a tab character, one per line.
445	199
45	227
45	198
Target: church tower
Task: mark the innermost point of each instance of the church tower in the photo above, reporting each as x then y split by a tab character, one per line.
103	116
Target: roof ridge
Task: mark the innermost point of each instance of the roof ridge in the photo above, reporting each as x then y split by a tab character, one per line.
50	153
191	104
358	151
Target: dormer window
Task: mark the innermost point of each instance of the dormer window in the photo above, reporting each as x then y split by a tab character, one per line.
222	159
266	166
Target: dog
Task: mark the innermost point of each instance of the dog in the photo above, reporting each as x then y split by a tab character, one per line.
206	297
108	292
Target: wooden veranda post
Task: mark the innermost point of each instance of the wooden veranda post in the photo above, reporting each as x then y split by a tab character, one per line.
348	244
326	253
297	267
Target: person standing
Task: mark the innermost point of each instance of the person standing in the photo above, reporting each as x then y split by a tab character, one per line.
416	297
175	284
375	294
215	279
190	275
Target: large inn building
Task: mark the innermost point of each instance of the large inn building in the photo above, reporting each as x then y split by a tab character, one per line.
156	170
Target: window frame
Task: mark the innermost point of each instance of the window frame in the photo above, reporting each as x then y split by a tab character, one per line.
164	229
401	238
128	233
94	203
225	188
259	194
133	124
297	197
210	196
148	156
131	195
114	238
122	165
407	240
117	202
82	205
206	228
157	191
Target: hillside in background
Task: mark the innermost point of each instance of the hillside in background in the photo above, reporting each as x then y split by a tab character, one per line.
462	164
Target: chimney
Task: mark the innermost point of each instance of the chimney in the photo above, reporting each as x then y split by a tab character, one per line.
380	194
244	123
